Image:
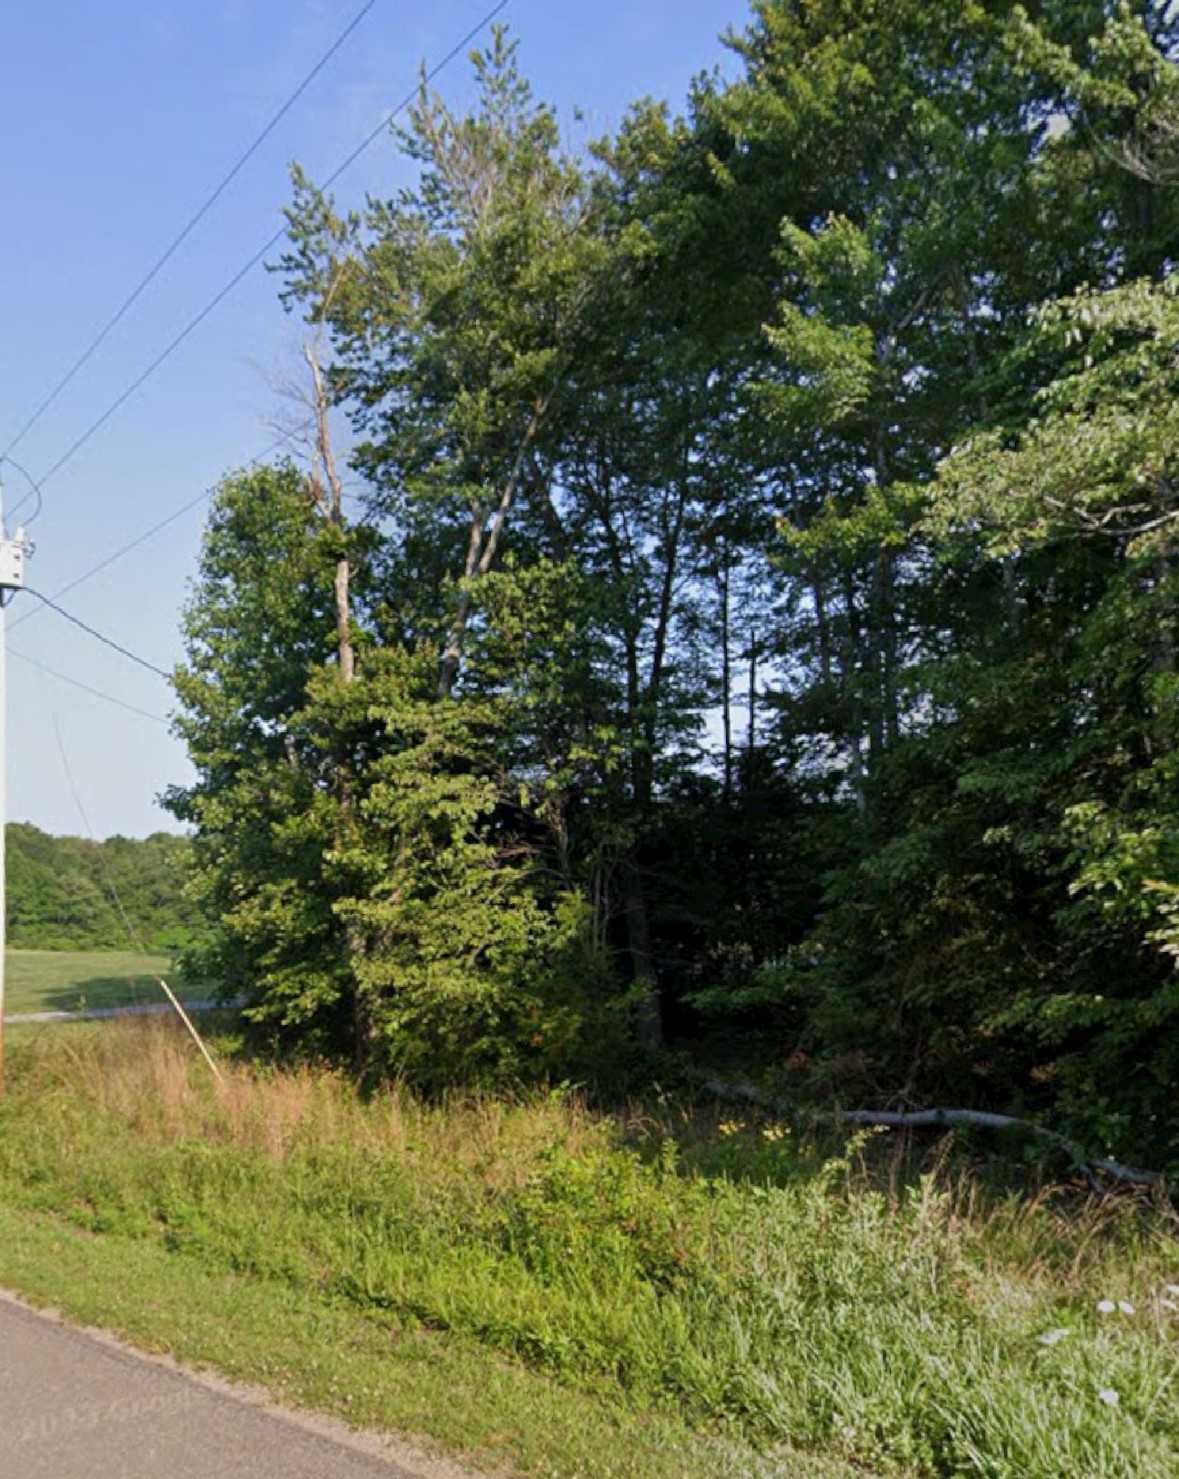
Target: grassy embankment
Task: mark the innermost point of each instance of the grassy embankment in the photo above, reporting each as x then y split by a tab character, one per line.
568	1295
67	980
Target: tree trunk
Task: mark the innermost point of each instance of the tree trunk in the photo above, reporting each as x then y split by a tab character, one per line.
890	724
945	1119
327	492
726	678
753	656
344	648
486	528
850	676
362	1035
638	930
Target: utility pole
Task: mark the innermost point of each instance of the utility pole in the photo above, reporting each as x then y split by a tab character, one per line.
12	578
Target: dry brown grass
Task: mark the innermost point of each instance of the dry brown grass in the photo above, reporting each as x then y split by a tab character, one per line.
146	1074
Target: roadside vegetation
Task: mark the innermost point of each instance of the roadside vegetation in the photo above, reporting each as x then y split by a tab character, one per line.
752	610
711	1271
743	634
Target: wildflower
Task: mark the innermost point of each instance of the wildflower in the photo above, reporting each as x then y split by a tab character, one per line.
1169	1304
1125	1306
731	1127
1051	1337
1108	1396
1106	1307
773	1133
1172	1290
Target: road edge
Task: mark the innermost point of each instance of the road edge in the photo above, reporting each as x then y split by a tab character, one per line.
389	1447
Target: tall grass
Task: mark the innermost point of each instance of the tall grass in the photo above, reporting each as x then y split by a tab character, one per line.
768	1296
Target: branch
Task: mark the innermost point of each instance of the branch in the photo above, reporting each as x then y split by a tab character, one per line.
481	547
330	499
937	1119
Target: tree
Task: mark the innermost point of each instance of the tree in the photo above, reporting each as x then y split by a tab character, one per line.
374	888
71	893
450	325
259	625
373	860
1089	484
845	399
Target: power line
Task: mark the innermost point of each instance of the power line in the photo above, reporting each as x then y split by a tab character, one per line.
119	553
133	934
112	891
143	538
34	488
427	78
154	271
283	440
100	636
86	688
194	323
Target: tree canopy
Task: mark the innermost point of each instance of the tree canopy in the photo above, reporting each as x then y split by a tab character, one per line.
760	590
71	893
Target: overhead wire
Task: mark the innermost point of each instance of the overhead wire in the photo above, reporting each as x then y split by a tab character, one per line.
194	323
99	636
134	544
187	230
34	489
118	554
87	688
179	513
283	440
116	898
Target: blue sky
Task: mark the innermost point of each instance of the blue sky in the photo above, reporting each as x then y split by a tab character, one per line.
118	120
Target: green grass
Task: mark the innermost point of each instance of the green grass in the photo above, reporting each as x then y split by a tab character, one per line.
701	1281
66	980
441	1392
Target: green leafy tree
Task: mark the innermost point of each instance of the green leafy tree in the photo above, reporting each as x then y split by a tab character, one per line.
259	625
71	893
842	404
1088	485
451	329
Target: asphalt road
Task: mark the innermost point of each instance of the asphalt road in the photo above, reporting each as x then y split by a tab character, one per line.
78	1406
98	1014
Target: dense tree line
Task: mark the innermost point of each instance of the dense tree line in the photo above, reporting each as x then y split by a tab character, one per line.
759	607
69	893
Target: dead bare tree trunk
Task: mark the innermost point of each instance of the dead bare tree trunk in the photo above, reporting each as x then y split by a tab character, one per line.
481	547
945	1119
328	494
751	739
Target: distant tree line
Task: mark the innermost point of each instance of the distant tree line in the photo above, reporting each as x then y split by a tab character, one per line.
62	892
757	610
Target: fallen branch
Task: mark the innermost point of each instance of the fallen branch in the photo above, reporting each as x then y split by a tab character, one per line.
936	1119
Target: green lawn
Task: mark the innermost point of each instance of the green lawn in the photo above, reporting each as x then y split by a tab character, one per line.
66	980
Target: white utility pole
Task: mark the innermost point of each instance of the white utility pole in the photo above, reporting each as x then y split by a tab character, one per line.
12	578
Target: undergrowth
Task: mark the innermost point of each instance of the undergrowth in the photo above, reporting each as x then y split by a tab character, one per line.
692	1262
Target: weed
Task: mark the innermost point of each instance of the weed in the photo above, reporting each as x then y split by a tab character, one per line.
775	1298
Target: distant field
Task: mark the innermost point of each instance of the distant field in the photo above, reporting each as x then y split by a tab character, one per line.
67	980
